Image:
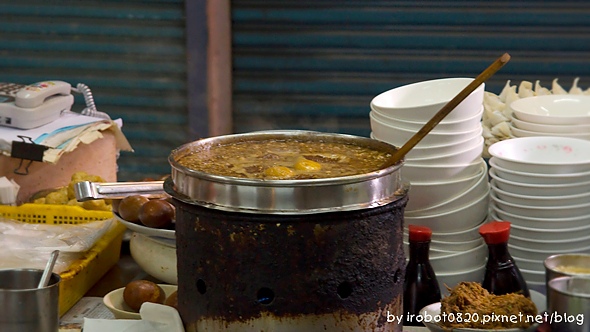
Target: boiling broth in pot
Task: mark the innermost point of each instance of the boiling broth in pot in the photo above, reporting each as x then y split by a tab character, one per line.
282	159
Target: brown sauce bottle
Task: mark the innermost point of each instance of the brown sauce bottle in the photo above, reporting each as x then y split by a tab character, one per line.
420	284
502	276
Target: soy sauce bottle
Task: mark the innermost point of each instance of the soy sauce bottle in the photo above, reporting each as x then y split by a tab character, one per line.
420	284
502	276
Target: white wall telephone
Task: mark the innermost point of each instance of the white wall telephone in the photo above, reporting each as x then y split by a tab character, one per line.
30	106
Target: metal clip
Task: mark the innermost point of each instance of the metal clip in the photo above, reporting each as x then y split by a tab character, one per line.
28	150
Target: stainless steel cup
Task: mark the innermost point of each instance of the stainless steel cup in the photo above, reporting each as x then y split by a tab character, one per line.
569	307
563	265
23	306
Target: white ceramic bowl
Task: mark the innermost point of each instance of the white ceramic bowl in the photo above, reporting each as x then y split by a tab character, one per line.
528	264
543	154
532	275
434	173
420	101
539	189
550	128
535	254
517	132
443	126
557	234
553	109
442	248
457	246
457	220
115	303
480	188
471	153
538	178
543	244
564	211
460	261
432	253
530	200
418	152
399	136
466	235
541	223
451	279
156	256
423	195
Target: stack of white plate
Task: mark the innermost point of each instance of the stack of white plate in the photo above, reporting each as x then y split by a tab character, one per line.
551	115
542	186
449	188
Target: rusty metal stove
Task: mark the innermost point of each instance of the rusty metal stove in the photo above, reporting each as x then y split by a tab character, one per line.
289	256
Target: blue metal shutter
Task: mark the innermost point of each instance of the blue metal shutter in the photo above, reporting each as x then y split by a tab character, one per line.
317	64
130	53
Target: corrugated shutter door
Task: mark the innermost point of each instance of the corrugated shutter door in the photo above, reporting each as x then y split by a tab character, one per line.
317	64
130	53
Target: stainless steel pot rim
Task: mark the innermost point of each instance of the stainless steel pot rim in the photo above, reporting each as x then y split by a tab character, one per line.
302	196
399	194
281	183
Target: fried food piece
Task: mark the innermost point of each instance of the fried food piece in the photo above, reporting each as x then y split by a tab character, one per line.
470	297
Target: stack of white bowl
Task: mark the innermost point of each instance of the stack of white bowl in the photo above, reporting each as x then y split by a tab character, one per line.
449	188
551	115
542	186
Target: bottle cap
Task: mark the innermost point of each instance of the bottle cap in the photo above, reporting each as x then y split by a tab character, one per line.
495	232
419	233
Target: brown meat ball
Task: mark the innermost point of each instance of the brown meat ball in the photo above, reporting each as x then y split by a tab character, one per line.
172	300
138	292
129	207
157	213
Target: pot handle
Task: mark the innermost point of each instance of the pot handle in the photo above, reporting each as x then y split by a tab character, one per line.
87	190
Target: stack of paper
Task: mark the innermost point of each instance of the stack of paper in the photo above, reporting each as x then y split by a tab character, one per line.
63	135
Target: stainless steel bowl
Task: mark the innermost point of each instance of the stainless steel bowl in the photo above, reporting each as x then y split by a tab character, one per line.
304	196
569	307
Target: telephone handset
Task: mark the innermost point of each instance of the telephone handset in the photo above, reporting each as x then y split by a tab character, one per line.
30	106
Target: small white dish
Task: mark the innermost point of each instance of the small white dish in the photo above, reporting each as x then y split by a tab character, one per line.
518	132
564	211
537	178
164	233
539	189
115	303
543	154
538	223
553	109
533	200
550	128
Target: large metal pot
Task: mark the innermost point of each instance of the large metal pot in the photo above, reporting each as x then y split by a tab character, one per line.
289	255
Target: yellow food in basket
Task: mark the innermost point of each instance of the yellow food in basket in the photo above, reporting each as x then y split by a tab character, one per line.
66	195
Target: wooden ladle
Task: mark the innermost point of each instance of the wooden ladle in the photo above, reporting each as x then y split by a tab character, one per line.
445	110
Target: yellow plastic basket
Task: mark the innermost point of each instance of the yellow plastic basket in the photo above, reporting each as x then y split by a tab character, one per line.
52	214
86	271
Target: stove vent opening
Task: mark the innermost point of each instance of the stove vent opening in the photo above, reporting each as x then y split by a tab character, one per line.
344	290
265	296
201	286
